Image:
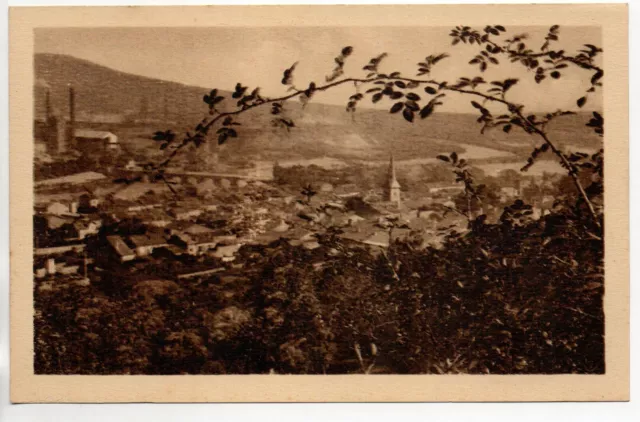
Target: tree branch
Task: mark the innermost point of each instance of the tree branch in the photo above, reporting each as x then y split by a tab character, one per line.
513	108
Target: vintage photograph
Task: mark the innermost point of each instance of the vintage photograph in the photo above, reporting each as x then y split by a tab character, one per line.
363	203
318	200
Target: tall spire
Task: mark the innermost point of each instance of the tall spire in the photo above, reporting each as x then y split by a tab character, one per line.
393	182
392	169
394	187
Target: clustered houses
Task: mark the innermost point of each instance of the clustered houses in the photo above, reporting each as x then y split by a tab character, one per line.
140	226
86	223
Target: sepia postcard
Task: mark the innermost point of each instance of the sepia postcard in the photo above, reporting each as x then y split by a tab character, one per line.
319	203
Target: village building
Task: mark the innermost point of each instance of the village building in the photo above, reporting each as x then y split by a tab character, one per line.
58	208
123	252
185	213
155	217
445	188
87	201
95	141
83	227
145	244
508	192
195	244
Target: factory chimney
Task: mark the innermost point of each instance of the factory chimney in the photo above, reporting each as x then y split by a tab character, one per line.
47	105
71	128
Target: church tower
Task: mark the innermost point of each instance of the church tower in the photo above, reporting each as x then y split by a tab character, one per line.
393	189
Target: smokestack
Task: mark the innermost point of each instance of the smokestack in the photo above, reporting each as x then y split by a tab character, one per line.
165	106
47	105
72	116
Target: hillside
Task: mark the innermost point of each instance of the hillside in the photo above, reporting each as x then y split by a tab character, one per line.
320	129
101	90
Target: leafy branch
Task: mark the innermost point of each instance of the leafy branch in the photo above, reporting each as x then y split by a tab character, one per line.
402	91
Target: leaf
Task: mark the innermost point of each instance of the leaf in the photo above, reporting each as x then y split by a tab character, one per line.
287	75
555	75
506	128
596	77
239	91
430	90
376	97
426	111
408	114
396	107
412	105
413	97
581	101
443	158
400	84
454	157
476	105
347	51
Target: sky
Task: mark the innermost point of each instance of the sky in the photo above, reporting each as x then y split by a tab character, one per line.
218	57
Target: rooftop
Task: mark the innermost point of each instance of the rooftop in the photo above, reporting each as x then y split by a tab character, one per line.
94	134
150	239
78	178
118	244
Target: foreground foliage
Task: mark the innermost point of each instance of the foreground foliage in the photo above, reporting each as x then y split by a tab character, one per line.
520	296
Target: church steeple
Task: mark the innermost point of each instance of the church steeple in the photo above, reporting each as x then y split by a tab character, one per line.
394	186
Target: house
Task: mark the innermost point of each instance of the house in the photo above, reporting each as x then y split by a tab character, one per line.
507	192
72	179
121	249
144	244
198	229
54	221
155	218
85	227
132	165
58	208
195	244
378	238
51	267
227	253
142	207
87	201
435	188
92	141
347	220
185	213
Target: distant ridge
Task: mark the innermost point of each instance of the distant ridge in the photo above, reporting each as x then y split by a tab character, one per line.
321	129
100	89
